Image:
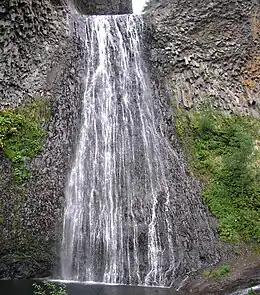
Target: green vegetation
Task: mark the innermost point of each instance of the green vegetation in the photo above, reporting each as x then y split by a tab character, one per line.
222	150
224	270
21	135
251	292
48	288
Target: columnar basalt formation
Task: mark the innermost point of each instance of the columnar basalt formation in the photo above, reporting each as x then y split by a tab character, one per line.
40	58
103	7
198	51
207	51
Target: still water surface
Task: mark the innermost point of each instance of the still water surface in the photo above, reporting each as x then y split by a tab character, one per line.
24	287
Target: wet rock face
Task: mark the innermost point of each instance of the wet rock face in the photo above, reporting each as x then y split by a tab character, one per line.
15	267
207	50
103	6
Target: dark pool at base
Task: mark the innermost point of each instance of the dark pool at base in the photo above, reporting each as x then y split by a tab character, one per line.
24	287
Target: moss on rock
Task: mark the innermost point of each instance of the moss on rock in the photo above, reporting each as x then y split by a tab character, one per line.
21	135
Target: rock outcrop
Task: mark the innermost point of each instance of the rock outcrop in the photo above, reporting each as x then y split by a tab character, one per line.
207	51
199	51
103	7
40	58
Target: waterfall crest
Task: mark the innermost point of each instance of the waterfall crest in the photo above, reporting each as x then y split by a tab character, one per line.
119	224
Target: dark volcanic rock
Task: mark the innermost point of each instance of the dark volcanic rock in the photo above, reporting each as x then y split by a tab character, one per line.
22	267
204	52
39	58
207	51
245	273
103	7
199	49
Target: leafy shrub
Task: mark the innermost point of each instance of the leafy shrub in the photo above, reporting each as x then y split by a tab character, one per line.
222	152
21	136
48	288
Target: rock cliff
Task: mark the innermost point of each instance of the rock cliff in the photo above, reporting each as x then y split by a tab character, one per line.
207	50
197	51
103	7
40	58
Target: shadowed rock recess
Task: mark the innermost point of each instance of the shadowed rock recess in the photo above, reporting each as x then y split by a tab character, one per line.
103	6
195	51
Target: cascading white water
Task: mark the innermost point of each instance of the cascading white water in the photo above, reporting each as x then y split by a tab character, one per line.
118	220
118	171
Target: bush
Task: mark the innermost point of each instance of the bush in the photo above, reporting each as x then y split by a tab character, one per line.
222	153
224	270
21	136
48	288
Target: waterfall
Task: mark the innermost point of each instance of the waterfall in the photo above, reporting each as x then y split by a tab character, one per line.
121	199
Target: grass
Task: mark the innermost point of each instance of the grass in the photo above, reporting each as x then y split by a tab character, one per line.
223	153
223	270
